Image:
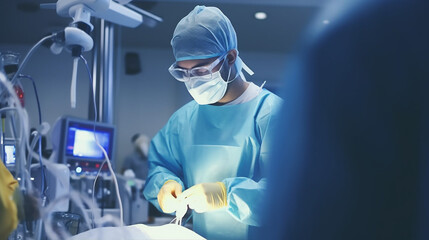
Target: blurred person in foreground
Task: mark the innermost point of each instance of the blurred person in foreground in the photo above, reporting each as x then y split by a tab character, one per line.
14	205
351	160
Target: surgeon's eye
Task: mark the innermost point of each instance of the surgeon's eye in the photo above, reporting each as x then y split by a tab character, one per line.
182	73
201	72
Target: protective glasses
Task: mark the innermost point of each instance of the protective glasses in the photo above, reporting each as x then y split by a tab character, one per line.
204	72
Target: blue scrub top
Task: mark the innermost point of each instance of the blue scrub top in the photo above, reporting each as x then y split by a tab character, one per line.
206	143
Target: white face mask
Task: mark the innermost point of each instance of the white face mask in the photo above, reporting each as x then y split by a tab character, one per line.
208	91
142	143
144	148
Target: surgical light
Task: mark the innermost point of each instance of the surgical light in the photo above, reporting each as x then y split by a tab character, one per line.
260	15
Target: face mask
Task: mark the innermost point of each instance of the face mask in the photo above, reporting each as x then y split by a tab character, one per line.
144	148
142	144
208	91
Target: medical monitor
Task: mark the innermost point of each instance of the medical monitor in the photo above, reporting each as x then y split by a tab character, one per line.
9	153
79	149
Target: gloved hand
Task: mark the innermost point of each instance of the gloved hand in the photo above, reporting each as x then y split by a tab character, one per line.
205	197
167	196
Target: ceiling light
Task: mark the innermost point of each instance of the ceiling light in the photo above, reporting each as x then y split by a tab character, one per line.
260	15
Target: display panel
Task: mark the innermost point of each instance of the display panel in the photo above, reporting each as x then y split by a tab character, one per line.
9	154
81	141
79	149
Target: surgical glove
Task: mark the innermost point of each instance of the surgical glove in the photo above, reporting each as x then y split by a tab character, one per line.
205	197
167	196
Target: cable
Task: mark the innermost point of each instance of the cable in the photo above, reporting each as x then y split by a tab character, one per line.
6	109
23	116
95	180
37	139
21	111
93	184
36	94
42	192
29	55
115	181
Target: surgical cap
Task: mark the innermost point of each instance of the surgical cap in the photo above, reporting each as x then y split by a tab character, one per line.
204	33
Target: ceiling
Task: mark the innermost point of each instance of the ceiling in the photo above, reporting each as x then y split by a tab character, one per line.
22	22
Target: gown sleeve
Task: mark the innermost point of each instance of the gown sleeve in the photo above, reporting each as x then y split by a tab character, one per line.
163	162
245	195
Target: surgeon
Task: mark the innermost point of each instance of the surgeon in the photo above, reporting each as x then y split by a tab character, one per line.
211	154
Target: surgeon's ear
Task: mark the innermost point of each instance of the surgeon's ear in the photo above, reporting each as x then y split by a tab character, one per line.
231	57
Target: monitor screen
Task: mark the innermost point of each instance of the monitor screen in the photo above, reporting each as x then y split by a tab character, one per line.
9	154
81	141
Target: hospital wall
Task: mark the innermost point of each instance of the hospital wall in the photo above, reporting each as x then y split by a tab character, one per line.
143	102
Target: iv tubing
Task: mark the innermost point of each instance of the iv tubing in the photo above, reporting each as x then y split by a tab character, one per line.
38	135
115	181
29	54
22	113
23	119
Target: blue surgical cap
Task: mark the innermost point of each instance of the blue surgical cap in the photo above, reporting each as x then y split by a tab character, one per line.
205	33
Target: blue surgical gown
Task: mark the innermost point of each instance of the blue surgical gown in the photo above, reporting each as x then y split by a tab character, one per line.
206	143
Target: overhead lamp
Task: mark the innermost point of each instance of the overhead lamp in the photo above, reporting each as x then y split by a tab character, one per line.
260	15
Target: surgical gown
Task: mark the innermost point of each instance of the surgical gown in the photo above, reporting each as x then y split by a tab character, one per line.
206	143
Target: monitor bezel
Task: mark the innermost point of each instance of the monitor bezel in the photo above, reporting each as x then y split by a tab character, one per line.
72	121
